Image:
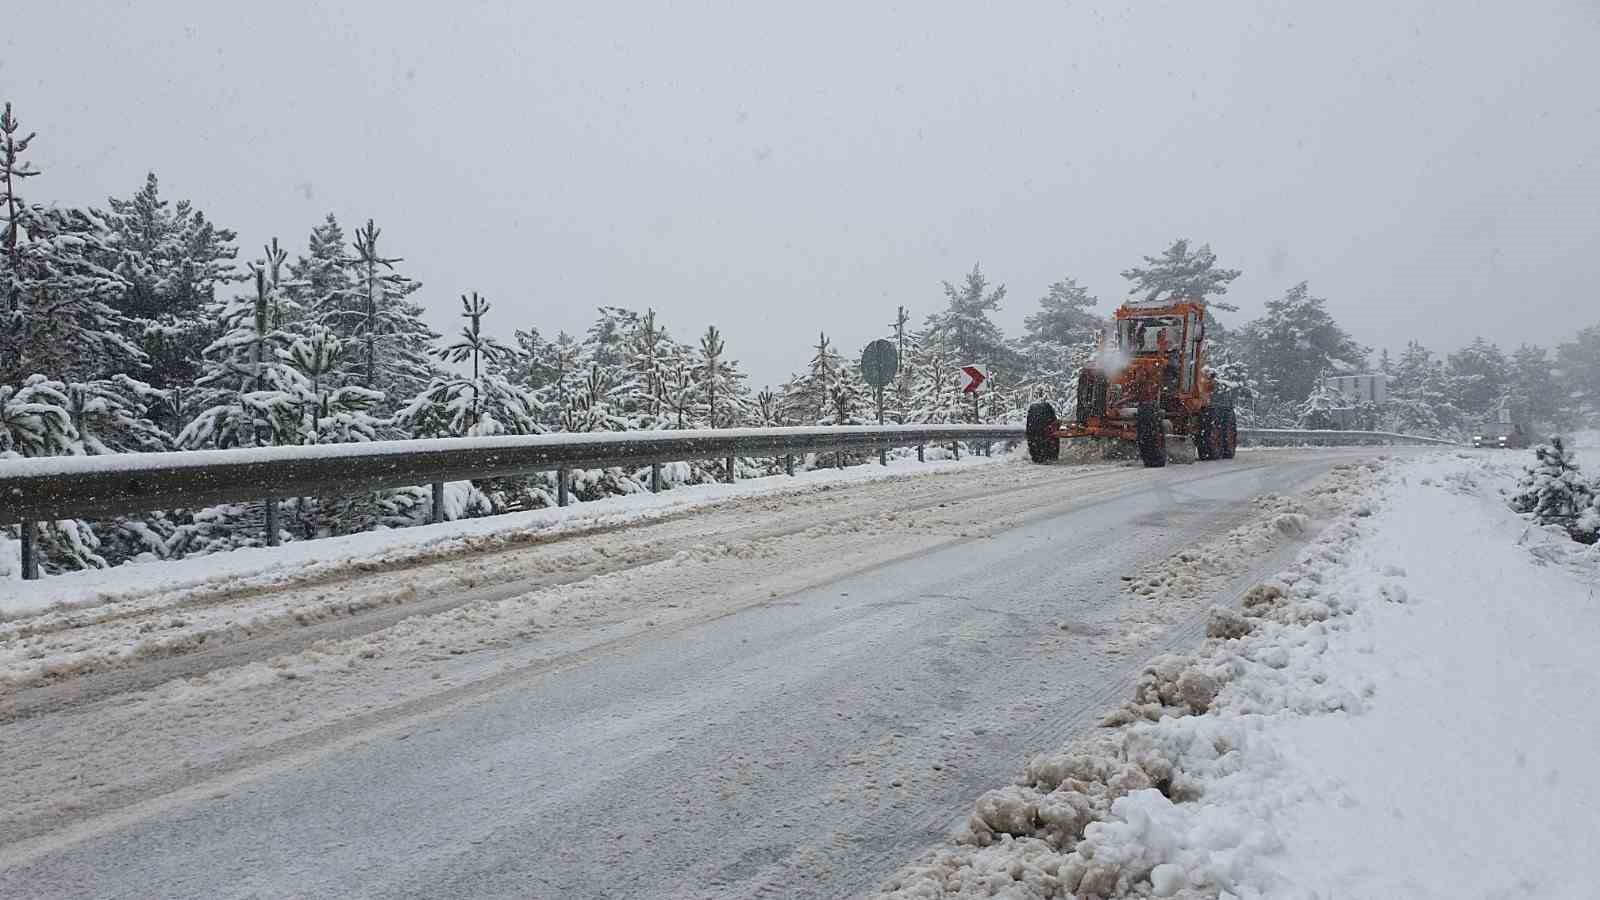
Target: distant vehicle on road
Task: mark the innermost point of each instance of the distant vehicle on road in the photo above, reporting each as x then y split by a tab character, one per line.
1505	435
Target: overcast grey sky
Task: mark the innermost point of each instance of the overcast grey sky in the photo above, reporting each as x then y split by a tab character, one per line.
1432	168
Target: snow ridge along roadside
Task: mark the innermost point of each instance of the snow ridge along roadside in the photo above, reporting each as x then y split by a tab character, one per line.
299	562
1095	819
1344	733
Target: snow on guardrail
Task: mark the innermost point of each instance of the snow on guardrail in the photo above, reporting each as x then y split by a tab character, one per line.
56	488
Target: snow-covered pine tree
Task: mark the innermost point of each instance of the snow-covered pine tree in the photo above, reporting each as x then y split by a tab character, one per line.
966	330
848	401
34	420
1296	341
1578	361
808	398
325	411
721	388
328	412
1316	411
606	342
936	386
113	415
282	311
480	404
251	403
1554	492
57	320
710	371
391	343
1534	388
52	418
682	390
319	281
528	366
1059	341
767	412
898	397
1179	273
1479	375
559	395
1418	401
650	360
601	403
483	403
1064	316
1236	384
722	385
173	260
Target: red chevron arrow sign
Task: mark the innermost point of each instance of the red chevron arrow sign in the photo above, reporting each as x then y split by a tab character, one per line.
975	379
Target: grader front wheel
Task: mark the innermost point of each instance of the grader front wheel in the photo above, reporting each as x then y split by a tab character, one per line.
1043	443
1152	436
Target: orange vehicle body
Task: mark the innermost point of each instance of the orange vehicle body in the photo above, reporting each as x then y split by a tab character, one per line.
1148	383
1147	374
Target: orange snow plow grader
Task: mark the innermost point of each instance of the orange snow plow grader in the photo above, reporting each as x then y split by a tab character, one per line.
1148	384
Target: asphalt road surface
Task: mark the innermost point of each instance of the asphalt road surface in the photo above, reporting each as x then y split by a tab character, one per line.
798	725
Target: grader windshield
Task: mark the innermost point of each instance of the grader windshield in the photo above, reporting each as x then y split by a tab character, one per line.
1149	334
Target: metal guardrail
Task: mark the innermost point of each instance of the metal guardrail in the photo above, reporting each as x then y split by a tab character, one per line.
1282	437
68	487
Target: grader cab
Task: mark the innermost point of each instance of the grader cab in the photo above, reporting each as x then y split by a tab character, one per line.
1148	384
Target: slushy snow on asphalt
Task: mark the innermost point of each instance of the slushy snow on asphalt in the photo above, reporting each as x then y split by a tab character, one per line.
1406	711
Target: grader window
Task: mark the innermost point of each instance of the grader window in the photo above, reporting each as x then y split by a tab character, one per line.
1156	334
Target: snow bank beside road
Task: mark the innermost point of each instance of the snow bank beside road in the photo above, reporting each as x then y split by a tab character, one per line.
302	560
1407	711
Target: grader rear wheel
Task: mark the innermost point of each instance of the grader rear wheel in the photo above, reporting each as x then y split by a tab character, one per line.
1227	433
1207	435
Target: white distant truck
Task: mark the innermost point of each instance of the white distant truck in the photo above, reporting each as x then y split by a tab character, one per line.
1505	432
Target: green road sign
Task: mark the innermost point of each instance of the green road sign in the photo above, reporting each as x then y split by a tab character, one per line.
879	363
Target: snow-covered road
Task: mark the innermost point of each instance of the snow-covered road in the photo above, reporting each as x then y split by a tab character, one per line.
783	696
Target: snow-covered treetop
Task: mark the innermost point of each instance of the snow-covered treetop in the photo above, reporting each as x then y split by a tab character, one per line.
1179	273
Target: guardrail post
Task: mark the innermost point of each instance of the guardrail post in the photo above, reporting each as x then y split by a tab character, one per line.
956	447
731	476
788	464
30	551
272	521
561	487
920	453
436	512
883	456
655	478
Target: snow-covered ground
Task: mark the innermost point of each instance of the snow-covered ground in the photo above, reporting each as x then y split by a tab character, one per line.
1585	439
1406	711
301	561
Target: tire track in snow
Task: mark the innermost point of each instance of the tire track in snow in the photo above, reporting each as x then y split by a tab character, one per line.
295	628
878	857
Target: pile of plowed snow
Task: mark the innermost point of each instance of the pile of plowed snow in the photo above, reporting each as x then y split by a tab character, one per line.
1175	589
1306	748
